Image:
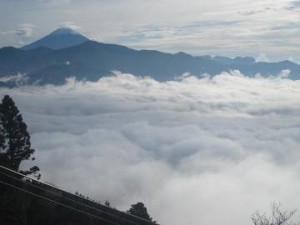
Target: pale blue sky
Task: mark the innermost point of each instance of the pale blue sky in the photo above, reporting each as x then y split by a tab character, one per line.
265	29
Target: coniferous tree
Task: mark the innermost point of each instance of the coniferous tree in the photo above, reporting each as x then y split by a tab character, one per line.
15	143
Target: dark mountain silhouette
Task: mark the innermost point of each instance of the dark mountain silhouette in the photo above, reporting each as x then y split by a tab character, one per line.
60	38
27	201
91	60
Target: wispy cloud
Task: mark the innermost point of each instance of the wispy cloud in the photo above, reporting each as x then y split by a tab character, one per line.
25	30
71	25
293	5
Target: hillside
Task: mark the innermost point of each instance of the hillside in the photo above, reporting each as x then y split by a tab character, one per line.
28	201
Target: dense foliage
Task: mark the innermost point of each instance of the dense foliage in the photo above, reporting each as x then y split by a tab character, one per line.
140	210
15	143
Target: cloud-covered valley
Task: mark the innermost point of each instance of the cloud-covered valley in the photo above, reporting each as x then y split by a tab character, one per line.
195	151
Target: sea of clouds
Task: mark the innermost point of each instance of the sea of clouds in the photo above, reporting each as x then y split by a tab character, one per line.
195	151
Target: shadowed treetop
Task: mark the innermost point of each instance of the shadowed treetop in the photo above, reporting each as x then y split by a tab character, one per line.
140	210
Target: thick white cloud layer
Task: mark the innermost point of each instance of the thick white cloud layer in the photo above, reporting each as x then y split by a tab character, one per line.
195	151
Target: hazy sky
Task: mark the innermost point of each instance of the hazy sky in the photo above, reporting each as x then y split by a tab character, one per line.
197	151
265	29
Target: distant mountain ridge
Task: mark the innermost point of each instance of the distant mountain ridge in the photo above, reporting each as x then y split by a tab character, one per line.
91	60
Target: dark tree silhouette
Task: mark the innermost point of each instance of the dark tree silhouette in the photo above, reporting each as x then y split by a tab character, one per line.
15	143
107	203
140	210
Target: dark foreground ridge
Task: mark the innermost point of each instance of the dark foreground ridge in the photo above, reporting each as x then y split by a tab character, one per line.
26	201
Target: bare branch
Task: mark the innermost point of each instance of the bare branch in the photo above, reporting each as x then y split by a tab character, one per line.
278	216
